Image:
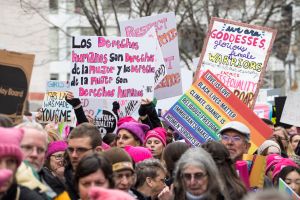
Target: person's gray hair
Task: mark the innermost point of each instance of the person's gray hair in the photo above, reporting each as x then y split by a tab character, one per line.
147	168
269	194
200	158
33	125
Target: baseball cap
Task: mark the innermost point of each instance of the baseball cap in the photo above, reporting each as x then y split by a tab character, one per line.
237	126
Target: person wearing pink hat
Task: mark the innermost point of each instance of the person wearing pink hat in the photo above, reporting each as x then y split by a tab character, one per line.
100	193
138	154
279	166
11	157
291	176
156	141
271	161
131	133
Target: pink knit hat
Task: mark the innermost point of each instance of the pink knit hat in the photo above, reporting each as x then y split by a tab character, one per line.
99	193
136	129
272	160
5	174
282	164
10	139
138	154
125	119
159	133
56	146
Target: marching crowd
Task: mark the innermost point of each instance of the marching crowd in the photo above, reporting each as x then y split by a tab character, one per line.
144	159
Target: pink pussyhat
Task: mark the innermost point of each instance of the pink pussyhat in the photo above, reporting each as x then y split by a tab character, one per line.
159	133
5	175
272	160
125	119
100	193
282	164
138	153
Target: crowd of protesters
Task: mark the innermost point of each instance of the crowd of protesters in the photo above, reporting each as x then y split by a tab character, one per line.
144	159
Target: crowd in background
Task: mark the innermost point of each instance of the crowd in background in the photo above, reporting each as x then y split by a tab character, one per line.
144	159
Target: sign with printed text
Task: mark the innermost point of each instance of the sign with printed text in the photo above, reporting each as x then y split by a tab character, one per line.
288	190
55	108
237	54
290	114
206	107
165	26
113	67
15	75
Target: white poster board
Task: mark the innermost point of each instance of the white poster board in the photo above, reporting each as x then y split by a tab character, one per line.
290	114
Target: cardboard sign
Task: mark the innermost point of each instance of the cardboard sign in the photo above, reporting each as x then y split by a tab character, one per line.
113	67
237	54
165	26
288	190
55	108
263	110
278	109
209	105
291	114
15	74
101	111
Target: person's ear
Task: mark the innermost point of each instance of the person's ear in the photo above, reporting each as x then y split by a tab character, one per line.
98	149
149	181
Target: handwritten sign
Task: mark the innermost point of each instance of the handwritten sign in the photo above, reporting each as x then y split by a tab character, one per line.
237	54
55	108
113	67
15	74
165	26
288	190
206	107
290	114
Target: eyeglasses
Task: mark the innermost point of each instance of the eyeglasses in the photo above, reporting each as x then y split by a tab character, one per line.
80	150
28	149
58	156
234	139
197	176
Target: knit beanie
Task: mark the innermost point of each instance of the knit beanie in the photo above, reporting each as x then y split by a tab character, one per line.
56	146
272	160
136	129
5	174
119	159
125	119
282	164
266	144
99	193
159	133
138	154
10	139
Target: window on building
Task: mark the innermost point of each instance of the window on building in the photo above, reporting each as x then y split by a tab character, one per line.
53	6
54	76
53	43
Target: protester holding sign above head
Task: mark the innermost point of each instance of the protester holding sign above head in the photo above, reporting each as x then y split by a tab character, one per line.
156	141
236	137
78	109
131	133
148	114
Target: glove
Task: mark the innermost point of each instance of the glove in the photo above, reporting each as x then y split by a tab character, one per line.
145	109
74	102
116	105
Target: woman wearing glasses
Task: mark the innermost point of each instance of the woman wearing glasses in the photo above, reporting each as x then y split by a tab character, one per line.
197	177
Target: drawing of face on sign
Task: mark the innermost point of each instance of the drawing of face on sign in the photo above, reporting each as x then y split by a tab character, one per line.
13	90
106	121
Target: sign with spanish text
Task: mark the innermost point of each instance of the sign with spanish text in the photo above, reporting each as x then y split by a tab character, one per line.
15	75
55	108
165	26
237	53
288	190
207	106
112	67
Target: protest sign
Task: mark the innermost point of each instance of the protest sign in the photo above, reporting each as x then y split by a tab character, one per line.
278	109
209	105
15	74
101	112
263	110
113	67
165	26
237	54
55	108
290	114
288	190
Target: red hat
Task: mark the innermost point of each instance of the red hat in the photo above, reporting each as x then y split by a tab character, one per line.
138	153
282	164
99	193
159	133
272	160
10	140
125	119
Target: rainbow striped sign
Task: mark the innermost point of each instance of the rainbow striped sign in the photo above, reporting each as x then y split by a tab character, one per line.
286	188
206	107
